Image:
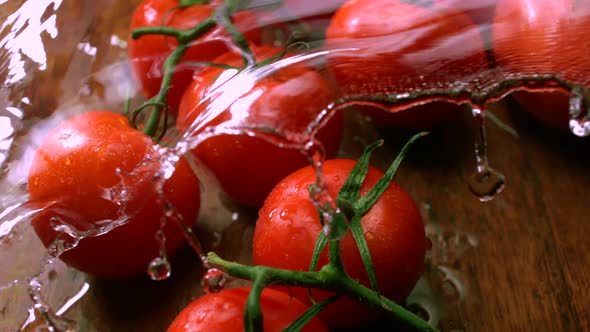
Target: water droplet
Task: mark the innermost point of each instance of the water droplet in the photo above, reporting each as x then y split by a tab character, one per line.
451	283
448	246
419	311
202	317
486	183
579	118
580	128
159	269
425	303
214	280
217	239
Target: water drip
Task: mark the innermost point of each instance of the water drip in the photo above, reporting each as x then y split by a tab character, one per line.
486	182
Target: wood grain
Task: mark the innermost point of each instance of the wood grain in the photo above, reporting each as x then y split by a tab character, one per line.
528	272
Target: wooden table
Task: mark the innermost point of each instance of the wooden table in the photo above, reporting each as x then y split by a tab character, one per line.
527	272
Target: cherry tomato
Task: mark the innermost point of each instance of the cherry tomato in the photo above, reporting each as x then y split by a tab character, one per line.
481	11
401	47
73	171
536	37
149	52
248	167
288	226
316	14
224	311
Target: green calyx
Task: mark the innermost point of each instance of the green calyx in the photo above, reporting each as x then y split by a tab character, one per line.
332	276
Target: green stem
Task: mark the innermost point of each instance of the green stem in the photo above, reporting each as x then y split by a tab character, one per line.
365	295
327	278
188	3
309	314
223	19
160	30
335	255
152	125
253	316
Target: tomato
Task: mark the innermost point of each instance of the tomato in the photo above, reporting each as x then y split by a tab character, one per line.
224	311
306	11
73	171
536	37
248	167
481	11
551	108
149	52
303	9
316	14
404	46
288	226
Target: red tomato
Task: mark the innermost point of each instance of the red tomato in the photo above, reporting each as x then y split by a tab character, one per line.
224	311
307	11
76	166
310	8
536	37
149	52
481	11
289	100
316	14
400	47
288	226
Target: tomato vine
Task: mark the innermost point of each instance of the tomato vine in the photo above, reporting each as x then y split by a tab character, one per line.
351	207
221	16
331	276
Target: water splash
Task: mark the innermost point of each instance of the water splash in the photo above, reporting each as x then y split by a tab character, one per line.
41	316
24	40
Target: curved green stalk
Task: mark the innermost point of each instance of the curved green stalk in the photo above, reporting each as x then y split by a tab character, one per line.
327	278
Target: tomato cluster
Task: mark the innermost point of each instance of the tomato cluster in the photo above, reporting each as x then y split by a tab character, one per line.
95	159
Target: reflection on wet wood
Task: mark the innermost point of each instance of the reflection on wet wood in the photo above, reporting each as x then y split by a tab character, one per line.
529	271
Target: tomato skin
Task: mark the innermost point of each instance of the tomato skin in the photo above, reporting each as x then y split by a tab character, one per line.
481	11
75	167
149	52
551	108
421	48
288	226
223	311
249	167
536	37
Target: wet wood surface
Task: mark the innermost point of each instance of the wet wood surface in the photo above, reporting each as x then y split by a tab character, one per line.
529	270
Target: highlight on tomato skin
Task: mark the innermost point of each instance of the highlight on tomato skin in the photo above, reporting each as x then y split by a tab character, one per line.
403	46
288	101
223	311
536	37
148	53
288	226
74	172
